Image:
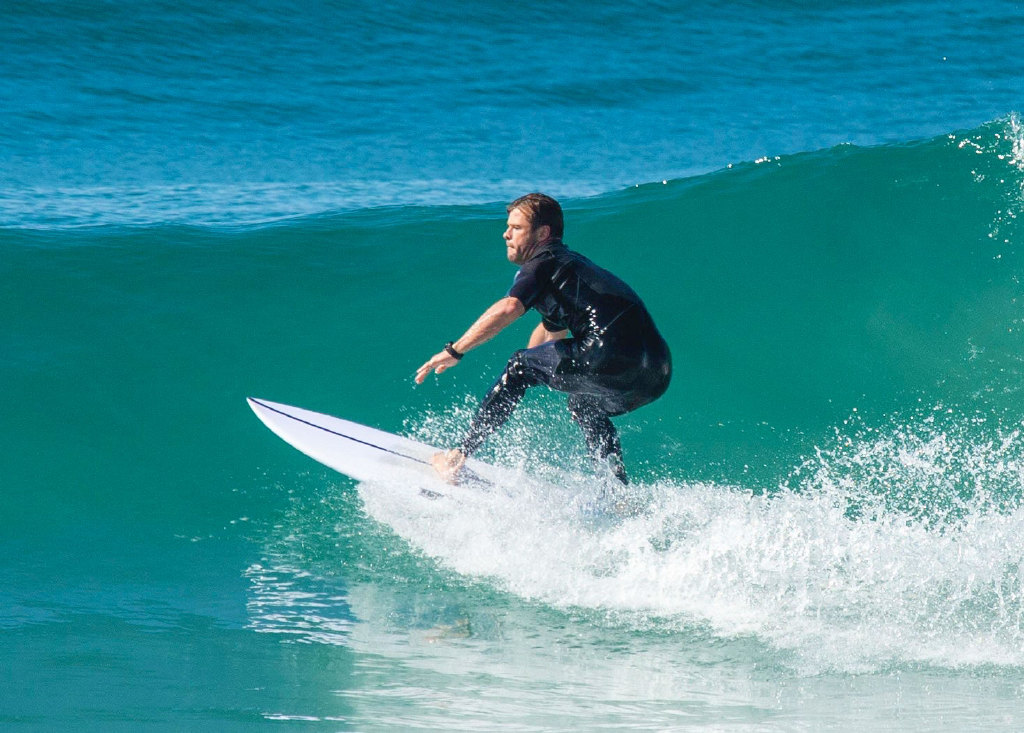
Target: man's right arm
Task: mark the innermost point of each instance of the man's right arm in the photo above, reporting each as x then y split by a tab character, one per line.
541	335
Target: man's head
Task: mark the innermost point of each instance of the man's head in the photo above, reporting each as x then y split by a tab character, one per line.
533	219
541	210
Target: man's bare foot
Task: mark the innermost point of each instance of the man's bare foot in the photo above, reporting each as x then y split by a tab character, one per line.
448	464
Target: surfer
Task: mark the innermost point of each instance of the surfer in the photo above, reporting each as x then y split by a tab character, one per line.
596	341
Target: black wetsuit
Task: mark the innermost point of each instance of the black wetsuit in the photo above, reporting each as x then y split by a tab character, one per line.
615	361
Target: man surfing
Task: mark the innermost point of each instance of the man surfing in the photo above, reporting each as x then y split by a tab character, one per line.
596	341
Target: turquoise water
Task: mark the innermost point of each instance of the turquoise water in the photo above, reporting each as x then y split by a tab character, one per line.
820	207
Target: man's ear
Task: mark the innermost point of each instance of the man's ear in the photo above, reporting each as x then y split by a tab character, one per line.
544	233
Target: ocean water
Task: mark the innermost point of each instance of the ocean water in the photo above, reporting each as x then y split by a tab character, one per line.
301	201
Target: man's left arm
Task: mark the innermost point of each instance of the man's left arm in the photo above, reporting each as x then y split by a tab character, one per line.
486	327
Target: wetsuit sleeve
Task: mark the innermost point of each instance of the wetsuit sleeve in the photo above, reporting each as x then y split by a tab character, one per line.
551	325
528	284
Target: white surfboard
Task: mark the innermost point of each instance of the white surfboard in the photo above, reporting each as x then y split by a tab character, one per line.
359	451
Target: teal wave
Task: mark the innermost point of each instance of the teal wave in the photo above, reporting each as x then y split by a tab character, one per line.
845	326
793	291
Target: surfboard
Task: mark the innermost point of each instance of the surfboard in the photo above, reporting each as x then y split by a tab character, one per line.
362	452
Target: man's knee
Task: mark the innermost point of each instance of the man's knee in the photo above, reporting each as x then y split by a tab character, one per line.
581	408
531	367
517	363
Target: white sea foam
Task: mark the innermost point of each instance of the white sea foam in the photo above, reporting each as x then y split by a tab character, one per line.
883	550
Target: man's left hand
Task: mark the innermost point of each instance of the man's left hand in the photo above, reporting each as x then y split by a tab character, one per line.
438	363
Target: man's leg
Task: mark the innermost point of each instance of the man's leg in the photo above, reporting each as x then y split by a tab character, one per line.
527	368
600	434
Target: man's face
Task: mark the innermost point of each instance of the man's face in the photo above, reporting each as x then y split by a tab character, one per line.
521	238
